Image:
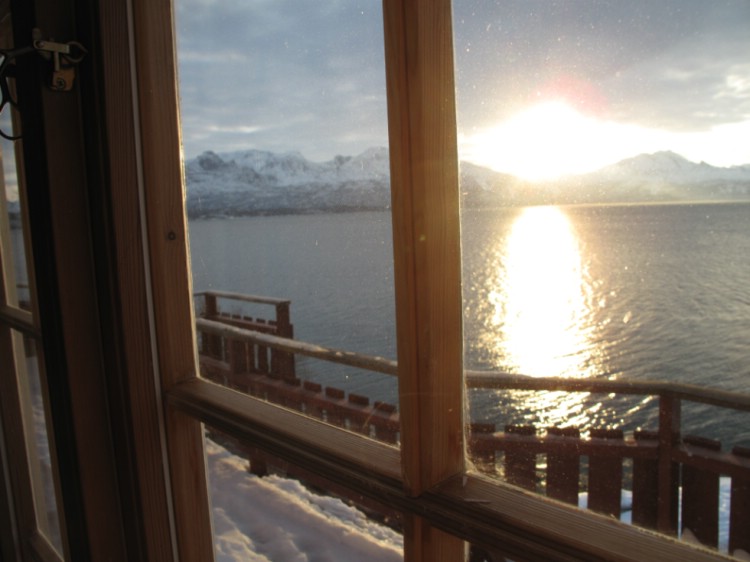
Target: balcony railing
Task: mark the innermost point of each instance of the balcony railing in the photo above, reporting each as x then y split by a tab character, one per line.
673	477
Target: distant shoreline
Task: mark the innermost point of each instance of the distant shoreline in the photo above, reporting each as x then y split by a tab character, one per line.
488	208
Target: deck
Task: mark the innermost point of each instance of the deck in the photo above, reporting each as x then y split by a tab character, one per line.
673	477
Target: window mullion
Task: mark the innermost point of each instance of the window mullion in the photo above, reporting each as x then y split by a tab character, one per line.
427	270
424	177
170	283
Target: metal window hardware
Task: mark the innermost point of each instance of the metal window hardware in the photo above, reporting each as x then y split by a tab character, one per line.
64	57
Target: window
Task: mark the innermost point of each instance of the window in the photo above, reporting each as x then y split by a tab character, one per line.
425	211
25	402
160	406
592	241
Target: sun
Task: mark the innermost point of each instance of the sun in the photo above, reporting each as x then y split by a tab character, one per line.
549	140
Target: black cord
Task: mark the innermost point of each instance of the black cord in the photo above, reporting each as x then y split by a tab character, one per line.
7	70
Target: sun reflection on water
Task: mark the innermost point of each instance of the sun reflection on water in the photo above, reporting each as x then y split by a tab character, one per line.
541	318
541	306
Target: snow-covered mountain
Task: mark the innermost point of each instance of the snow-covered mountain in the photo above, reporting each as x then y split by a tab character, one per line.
667	176
259	182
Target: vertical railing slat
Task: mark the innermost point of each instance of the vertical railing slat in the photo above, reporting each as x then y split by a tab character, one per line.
700	495
739	516
668	471
605	475
563	469
520	465
482	455
645	484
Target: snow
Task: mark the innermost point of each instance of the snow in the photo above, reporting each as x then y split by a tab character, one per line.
255	182
274	518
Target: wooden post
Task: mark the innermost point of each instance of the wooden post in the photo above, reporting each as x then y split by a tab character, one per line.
211	342
605	476
700	495
313	391
237	357
283	323
481	455
563	469
423	152
334	414
386	431
282	361
739	518
645	485
668	471
520	465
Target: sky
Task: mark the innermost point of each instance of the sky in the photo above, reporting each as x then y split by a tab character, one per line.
543	86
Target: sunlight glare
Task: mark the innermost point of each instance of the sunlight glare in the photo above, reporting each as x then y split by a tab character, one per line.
541	305
550	140
542	315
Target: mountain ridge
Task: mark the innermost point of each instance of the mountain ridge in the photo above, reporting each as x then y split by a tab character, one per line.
257	182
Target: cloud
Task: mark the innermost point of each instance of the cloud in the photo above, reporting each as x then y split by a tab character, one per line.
656	64
309	76
282	75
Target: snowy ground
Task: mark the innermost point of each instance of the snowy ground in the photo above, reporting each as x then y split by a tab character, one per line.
272	519
275	519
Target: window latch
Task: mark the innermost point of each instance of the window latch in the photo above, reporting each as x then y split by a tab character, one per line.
64	57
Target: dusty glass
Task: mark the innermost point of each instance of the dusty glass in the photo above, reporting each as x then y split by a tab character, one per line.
605	193
265	509
14	248
284	127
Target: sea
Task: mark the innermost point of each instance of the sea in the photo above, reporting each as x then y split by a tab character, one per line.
621	292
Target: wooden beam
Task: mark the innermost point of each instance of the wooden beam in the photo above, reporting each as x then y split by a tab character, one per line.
426	240
171	285
427	258
135	398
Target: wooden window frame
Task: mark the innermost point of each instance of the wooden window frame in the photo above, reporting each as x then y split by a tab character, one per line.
161	403
427	478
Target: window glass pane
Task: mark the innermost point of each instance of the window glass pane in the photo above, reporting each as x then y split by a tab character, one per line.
13	250
283	114
36	427
265	509
605	224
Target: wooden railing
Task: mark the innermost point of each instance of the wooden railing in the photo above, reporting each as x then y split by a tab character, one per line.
244	356
660	462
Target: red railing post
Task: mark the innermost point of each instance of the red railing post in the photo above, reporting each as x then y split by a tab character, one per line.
645	484
281	361
739	518
386	430
520	465
237	357
211	342
605	474
563	468
700	494
668	471
481	455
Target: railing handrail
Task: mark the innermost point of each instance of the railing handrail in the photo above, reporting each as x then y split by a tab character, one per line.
490	379
655	454
349	358
691	392
243	297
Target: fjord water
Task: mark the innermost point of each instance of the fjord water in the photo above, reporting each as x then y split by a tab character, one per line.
655	292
